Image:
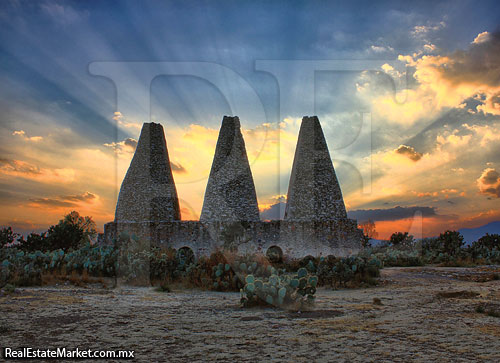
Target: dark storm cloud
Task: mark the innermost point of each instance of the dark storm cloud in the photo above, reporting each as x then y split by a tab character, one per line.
409	152
490	177
478	64
489	183
390	214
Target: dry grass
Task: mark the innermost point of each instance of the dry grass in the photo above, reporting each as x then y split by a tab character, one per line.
76	279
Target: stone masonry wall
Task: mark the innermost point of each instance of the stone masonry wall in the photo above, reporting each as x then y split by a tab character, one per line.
314	192
148	192
315	222
230	193
296	239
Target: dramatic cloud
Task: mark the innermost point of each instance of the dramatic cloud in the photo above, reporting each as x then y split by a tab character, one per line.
409	152
489	183
126	146
273	207
482	37
390	214
439	82
479	65
432	131
16	166
64	201
123	122
132	143
10	167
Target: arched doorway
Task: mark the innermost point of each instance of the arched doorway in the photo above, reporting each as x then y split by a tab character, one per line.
274	254
185	255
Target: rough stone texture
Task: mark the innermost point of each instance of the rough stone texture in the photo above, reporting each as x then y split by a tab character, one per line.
316	221
314	193
230	193
148	191
296	238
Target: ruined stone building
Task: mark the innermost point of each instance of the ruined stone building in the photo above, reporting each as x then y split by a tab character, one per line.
315	220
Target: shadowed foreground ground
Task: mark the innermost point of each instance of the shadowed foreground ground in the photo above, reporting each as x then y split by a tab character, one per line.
426	314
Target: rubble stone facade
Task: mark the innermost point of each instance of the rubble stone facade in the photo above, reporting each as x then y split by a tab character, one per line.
148	192
314	191
230	193
315	222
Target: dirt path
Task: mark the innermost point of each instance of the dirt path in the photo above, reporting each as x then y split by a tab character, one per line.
427	314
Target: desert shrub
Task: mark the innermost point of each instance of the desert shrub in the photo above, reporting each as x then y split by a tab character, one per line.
9	289
7	237
348	271
446	250
451	242
71	232
163	264
394	257
489	241
231	275
33	242
291	291
25	268
485	250
401	238
430	246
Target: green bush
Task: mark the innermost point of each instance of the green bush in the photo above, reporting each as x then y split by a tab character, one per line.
400	238
348	271
71	232
7	236
452	242
291	291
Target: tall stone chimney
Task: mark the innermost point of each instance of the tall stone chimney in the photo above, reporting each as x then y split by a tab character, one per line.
313	193
148	192
230	194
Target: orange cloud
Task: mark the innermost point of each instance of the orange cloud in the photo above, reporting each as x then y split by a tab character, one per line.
22	134
29	171
126	146
409	152
64	201
444	81
489	183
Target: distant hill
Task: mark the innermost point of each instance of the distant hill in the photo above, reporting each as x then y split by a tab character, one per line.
473	234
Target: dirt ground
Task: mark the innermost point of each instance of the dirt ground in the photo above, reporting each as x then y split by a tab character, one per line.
424	314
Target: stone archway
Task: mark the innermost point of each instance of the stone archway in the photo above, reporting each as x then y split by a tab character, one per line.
186	255
274	254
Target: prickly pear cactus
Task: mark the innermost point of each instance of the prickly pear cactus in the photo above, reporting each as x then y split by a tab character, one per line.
289	291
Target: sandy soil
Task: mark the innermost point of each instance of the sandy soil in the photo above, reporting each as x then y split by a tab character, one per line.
426	314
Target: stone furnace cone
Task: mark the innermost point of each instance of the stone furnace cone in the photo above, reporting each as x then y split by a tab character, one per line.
230	195
148	192
313	193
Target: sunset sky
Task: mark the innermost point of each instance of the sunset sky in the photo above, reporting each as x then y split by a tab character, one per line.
432	147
